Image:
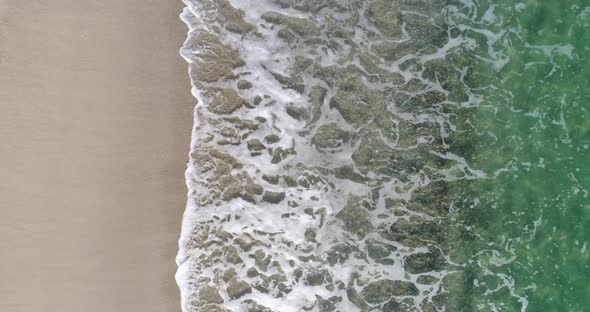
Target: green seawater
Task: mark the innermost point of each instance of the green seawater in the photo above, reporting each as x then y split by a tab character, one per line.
388	155
529	206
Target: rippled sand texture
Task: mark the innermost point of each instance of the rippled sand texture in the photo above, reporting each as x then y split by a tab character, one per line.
95	117
329	140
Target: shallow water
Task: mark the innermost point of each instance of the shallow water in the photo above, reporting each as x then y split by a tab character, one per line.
379	156
531	137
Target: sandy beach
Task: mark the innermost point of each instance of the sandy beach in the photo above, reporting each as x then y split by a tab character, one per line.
95	119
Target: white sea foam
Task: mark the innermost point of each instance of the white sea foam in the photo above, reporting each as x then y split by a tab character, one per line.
278	229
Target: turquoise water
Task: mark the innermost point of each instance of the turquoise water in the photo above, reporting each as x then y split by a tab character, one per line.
379	155
530	215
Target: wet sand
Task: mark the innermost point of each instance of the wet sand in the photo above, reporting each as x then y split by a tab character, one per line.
95	118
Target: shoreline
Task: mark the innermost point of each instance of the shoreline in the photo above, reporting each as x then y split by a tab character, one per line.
95	130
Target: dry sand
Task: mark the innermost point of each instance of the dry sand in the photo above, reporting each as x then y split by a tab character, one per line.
95	118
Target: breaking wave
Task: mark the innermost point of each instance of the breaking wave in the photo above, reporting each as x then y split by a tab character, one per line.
332	155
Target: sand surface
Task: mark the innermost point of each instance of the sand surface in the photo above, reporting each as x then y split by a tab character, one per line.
95	118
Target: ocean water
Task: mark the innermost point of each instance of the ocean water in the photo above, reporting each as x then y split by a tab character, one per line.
531	138
408	155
